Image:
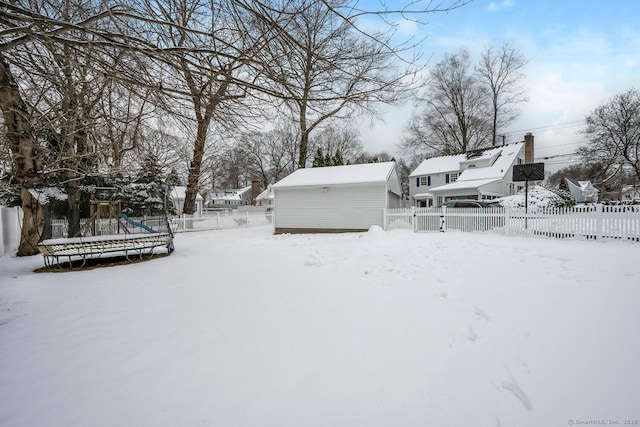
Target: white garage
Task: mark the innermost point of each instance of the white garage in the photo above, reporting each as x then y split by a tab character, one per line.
336	198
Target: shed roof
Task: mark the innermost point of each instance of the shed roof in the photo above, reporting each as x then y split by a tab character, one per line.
338	175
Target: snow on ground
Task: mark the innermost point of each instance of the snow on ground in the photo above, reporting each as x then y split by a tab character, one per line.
246	328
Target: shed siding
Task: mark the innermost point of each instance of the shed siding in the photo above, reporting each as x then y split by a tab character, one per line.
340	207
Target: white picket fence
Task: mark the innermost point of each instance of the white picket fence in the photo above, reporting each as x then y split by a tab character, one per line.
184	223
582	222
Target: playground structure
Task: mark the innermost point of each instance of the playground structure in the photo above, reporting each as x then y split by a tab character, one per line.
106	233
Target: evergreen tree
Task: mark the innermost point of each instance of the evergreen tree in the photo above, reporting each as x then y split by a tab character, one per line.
337	159
318	160
173	179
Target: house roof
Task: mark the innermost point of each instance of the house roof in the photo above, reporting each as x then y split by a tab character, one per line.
266	194
338	175
502	156
179	192
465	185
439	164
506	157
231	194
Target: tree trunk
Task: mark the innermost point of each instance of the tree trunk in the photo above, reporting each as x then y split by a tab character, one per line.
195	169
26	162
73	201
204	120
32	224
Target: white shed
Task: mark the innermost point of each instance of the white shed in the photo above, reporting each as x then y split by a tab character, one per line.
178	194
336	198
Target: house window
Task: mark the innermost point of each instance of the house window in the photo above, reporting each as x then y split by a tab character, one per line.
520	161
454	176
423	180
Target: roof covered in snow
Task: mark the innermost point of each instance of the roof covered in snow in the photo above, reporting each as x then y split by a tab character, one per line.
498	158
266	194
179	192
337	175
235	194
498	163
465	185
440	164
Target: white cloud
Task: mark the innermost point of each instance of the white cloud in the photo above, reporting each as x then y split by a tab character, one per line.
493	6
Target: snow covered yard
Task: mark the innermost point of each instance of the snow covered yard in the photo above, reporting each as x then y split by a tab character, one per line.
245	328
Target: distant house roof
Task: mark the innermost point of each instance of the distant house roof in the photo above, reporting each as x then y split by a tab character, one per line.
266	194
235	194
337	175
179	193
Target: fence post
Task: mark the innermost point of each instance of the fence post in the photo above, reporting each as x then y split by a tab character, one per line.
384	219
414	219
443	219
599	221
507	221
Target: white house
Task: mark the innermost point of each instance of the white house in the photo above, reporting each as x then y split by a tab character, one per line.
582	191
265	198
336	198
476	175
231	199
631	193
178	195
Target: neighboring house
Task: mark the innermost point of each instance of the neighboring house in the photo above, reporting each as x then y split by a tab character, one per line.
336	198
631	193
178	195
231	199
582	191
265	198
477	175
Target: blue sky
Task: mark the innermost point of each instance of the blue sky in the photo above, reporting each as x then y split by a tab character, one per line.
580	54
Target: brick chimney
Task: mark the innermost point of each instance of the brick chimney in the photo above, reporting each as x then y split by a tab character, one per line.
528	148
255	191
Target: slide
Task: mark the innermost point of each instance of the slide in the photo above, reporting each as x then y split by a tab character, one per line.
137	224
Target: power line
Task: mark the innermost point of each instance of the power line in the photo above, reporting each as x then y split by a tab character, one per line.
547	127
548	147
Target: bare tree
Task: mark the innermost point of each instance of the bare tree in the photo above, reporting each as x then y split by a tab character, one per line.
613	132
333	139
205	46
324	69
455	118
500	73
26	161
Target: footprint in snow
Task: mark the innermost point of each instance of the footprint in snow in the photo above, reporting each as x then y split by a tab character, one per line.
481	314
518	393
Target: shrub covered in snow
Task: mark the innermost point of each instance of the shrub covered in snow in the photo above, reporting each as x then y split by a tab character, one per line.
539	198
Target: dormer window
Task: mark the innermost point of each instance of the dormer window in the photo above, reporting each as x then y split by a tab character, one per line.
454	176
